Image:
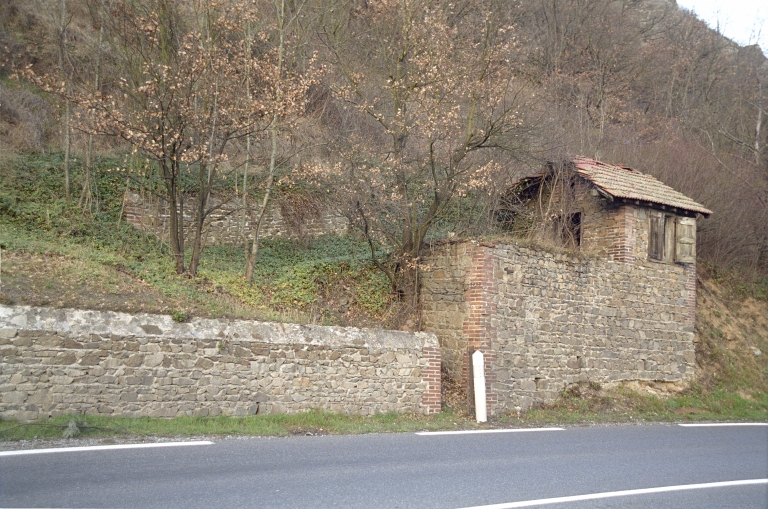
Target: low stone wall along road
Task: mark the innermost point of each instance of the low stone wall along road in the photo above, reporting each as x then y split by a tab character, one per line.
66	361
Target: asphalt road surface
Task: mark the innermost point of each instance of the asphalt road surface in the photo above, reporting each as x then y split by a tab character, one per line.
645	466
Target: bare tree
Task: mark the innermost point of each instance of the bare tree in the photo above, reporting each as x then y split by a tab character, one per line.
183	98
440	99
288	100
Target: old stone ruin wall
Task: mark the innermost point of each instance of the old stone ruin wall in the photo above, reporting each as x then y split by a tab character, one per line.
225	225
607	229
545	320
63	361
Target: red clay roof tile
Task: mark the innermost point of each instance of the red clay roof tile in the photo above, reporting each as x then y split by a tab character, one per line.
623	182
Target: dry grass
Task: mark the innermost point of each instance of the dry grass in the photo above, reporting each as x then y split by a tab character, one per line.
40	279
732	341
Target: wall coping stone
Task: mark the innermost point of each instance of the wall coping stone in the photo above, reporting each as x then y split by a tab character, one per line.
85	322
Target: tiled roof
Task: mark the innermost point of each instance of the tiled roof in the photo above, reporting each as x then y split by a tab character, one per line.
623	182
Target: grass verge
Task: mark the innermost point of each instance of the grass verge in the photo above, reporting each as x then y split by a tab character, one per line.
580	405
590	403
315	422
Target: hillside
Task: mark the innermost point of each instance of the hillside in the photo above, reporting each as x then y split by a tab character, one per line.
640	83
329	282
732	326
53	256
411	118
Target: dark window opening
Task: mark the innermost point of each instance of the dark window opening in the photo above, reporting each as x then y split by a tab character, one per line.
572	230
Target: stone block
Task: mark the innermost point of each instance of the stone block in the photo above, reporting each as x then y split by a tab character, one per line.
90	359
204	363
164	412
152	329
139	380
14	397
9	351
153	360
8	333
65	358
22	341
155	348
134	360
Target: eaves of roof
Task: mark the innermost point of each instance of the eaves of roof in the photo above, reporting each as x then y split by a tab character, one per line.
628	184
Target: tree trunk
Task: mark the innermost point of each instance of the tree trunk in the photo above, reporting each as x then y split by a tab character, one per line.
251	259
247	165
197	240
67	145
175	213
65	77
86	195
758	124
250	262
408	280
204	194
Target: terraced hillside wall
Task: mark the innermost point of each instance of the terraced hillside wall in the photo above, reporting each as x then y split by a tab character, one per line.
226	225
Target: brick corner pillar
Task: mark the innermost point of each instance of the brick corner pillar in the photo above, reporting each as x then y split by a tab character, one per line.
690	299
623	235
481	287
431	400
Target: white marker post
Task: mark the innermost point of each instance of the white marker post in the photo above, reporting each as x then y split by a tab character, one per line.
478	368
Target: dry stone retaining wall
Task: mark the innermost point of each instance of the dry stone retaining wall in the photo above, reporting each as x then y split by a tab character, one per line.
561	320
55	361
444	305
224	225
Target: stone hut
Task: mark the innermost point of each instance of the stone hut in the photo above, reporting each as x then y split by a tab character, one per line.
607	210
617	304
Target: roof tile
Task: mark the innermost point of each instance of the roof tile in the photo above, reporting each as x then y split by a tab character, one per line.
623	182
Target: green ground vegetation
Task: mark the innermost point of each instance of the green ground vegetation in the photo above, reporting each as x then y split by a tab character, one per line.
312	423
82	252
588	403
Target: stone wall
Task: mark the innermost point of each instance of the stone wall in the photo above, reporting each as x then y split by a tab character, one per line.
609	229
547	319
443	301
55	361
224	226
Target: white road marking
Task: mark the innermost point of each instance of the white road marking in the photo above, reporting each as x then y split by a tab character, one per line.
707	424
472	431
103	448
626	493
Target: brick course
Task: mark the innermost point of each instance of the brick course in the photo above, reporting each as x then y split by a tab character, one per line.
478	327
431	399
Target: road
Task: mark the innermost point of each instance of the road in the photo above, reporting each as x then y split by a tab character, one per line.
409	471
